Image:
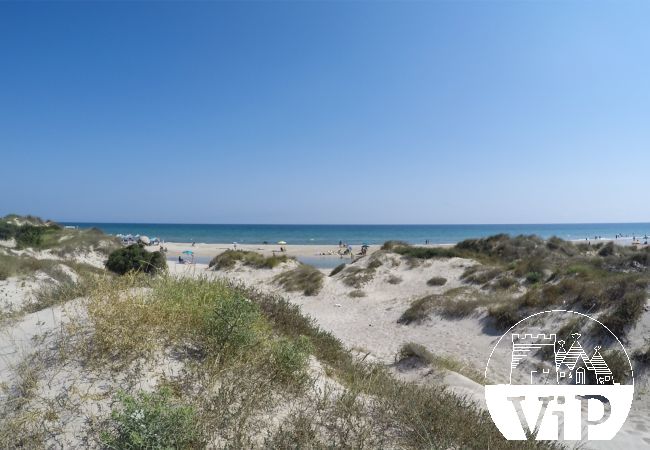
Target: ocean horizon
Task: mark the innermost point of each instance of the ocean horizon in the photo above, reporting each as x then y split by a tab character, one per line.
357	234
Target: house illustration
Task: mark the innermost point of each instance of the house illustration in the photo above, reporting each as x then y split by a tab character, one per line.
572	366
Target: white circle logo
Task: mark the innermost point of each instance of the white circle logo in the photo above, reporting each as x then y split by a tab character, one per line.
559	375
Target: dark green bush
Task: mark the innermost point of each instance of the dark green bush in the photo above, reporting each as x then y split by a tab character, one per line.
135	258
152	421
534	277
437	281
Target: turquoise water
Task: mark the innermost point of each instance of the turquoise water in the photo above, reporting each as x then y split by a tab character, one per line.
357	234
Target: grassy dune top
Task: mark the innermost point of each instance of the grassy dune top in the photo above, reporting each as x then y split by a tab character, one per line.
246	356
229	258
518	276
32	232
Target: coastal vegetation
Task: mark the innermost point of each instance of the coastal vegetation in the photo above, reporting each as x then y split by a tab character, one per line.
229	258
605	280
135	258
437	281
244	356
34	233
304	278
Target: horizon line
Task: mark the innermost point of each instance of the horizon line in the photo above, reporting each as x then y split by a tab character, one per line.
355	224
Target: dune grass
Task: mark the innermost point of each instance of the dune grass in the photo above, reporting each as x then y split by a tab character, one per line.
39	235
304	278
249	354
229	258
422	354
605	280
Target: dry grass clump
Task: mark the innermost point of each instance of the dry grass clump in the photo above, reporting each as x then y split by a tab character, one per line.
357	277
426	252
479	274
437	281
394	279
357	293
453	304
303	278
229	258
419	353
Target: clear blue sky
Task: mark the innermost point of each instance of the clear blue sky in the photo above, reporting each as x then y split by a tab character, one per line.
333	112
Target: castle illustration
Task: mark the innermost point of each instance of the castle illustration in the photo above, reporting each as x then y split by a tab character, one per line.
572	366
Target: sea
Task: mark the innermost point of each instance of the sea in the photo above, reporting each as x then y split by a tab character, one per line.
359	234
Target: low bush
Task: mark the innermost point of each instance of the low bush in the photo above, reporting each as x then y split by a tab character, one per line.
426	252
418	310
437	281
534	277
505	315
135	258
303	278
357	293
357	277
480	274
390	245
229	258
291	359
152	421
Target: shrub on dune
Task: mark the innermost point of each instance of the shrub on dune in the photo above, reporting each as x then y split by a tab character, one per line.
437	281
303	278
135	258
229	258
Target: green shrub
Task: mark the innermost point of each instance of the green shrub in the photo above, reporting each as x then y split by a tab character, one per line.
303	278
231	327
152	421
135	258
291	358
534	277
437	281
29	236
337	269
606	250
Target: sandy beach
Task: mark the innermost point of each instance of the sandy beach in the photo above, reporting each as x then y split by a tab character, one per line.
210	250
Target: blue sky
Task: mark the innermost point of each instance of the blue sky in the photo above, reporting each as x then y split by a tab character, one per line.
333	112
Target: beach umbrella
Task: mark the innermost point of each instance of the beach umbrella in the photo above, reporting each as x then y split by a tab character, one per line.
282	243
188	252
145	240
365	245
